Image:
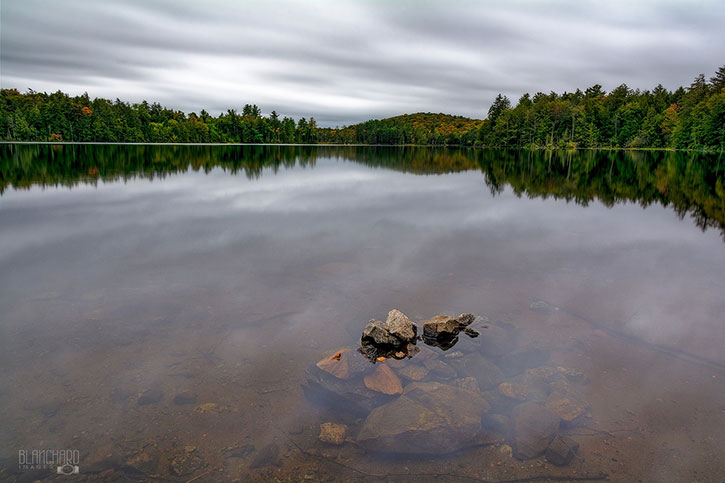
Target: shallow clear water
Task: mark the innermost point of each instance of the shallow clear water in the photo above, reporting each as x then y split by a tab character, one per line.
224	273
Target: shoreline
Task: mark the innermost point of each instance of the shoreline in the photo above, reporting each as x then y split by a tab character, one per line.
459	146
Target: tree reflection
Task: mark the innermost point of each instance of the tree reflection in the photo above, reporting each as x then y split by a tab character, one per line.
691	183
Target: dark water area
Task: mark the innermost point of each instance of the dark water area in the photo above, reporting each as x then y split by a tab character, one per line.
164	311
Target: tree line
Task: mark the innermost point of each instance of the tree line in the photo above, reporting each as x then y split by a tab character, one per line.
686	118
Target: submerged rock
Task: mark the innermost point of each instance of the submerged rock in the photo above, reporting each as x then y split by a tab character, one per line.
513	390
383	380
468	383
343	364
497	341
487	374
150	396
542	307
568	407
267	456
534	427
414	372
429	418
517	362
185	397
572	374
332	433
497	423
185	463
561	450
349	395
439	369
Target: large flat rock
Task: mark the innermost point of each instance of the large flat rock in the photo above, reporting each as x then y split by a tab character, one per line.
429	418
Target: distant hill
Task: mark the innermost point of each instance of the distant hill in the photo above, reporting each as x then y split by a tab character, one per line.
418	128
444	123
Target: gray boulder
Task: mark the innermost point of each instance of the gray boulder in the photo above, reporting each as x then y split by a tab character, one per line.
400	326
376	332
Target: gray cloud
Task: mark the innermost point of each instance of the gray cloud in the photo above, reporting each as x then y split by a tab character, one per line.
347	61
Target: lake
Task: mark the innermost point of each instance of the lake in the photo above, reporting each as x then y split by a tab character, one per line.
164	310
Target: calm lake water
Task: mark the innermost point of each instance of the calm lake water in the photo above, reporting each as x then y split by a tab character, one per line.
163	308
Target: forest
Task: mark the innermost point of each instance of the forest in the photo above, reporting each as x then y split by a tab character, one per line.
688	118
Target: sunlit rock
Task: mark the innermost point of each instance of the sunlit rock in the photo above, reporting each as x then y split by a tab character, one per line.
375	332
446	326
399	326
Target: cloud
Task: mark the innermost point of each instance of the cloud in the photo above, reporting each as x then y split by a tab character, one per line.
347	61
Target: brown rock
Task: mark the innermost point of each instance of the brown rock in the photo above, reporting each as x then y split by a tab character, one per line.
384	380
446	326
567	406
414	372
336	364
429	418
545	373
513	390
332	433
572	374
468	383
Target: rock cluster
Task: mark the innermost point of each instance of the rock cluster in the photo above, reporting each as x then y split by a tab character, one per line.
419	399
397	330
397	336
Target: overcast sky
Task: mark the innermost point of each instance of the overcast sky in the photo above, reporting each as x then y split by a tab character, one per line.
346	61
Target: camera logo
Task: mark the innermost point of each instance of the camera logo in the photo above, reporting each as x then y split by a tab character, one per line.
63	461
67	470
